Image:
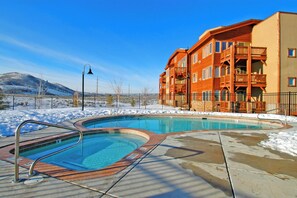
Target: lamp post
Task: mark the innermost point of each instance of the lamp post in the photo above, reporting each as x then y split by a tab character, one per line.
83	85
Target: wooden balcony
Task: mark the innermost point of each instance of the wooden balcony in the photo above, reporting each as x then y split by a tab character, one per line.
180	72
241	52
257	80
180	89
257	106
225	81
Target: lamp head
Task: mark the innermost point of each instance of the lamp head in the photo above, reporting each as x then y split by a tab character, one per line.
90	71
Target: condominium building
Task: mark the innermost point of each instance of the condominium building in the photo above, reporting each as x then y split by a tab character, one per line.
278	33
174	82
230	67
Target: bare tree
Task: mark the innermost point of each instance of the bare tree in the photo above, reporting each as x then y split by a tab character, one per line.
117	88
145	91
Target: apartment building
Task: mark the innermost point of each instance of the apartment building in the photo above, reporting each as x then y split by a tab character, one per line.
230	67
278	33
173	82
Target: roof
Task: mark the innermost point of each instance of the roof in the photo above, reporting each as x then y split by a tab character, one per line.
179	50
214	31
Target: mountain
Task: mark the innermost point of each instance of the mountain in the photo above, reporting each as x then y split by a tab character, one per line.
18	83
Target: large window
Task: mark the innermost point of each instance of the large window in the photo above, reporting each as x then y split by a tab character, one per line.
292	82
224	45
207	72
207	50
292	52
206	96
218	46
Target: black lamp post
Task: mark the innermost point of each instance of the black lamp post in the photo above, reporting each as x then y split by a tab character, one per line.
83	85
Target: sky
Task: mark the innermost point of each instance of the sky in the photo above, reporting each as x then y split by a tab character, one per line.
127	42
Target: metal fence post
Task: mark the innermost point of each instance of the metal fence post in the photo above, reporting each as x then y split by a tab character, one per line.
13	102
139	101
289	113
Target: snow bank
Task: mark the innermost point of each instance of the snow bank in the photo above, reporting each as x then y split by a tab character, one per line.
10	119
283	141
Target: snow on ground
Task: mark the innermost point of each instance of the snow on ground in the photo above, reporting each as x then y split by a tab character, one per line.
285	141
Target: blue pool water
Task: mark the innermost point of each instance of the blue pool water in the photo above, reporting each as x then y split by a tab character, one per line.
163	125
96	152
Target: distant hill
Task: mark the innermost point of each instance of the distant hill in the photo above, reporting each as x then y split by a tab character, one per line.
18	83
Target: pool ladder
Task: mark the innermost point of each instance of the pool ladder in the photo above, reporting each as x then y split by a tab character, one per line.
258	116
17	146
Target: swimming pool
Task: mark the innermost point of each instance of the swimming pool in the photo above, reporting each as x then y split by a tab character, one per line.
164	125
95	152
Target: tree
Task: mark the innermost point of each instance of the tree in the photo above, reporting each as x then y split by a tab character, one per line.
145	93
117	88
109	100
132	102
2	103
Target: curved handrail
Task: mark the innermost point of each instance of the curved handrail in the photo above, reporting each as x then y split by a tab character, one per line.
272	118
17	145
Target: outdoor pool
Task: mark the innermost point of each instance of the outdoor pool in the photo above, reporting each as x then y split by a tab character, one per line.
164	125
96	151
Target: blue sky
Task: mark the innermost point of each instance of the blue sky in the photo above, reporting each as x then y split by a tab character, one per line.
127	41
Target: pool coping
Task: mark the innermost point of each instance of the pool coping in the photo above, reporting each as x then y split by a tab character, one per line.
7	154
70	175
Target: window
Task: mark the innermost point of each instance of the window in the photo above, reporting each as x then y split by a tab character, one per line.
230	43
182	62
195	79
195	58
206	96
207	50
218	46
217	95
207	73
292	52
292	82
224	45
217	72
194	95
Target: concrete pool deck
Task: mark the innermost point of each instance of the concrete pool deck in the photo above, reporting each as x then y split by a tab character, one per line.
196	164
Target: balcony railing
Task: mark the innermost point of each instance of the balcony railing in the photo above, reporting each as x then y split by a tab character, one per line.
180	72
241	78
257	79
224	80
180	89
241	51
257	106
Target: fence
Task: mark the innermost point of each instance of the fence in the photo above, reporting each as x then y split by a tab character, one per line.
22	102
279	103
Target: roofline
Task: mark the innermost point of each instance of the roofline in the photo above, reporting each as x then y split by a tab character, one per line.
223	29
179	50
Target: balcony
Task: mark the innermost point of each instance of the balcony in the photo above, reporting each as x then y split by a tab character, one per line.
225	81
257	80
241	52
180	89
257	106
180	72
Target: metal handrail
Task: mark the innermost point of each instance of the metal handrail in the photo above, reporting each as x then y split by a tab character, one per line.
17	145
273	119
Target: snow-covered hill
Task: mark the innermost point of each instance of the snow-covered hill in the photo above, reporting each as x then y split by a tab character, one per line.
18	83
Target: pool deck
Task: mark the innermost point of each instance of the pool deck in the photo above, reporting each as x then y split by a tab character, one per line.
195	164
